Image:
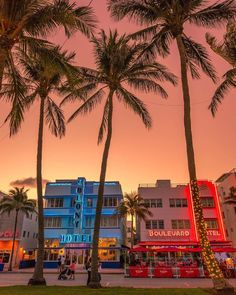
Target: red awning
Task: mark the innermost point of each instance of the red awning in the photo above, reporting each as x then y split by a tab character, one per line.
168	243
140	249
174	249
225	249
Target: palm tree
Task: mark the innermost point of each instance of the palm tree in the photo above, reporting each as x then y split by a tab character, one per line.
226	50
44	74
133	205
118	66
165	21
16	201
24	21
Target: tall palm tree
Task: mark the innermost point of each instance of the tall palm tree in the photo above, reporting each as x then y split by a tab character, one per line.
16	201
226	50
134	206
118	66
24	21
165	21
44	76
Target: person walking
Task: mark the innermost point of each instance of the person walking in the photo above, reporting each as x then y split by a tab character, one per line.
72	270
63	260
88	268
59	264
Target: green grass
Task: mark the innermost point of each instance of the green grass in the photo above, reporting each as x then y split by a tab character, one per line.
22	290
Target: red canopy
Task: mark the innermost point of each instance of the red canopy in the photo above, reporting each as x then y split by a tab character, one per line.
174	249
140	249
224	249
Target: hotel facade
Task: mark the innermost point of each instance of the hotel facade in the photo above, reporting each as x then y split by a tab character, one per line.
69	214
173	223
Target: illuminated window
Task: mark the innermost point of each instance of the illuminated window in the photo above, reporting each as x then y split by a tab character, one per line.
52	222
155	224
180	224
55	203
179	203
207	202
89	202
109	221
153	203
212	223
110	202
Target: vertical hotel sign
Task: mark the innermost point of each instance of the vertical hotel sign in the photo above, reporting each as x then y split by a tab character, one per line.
78	215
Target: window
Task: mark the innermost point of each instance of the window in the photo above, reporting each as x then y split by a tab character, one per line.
155	224
235	210
110	202
71	222
72	202
24	233
52	222
89	202
211	223
178	203
28	234
207	202
223	214
55	203
109	221
153	203
180	224
89	222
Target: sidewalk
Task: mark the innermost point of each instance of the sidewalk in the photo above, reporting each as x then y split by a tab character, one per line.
109	280
55	271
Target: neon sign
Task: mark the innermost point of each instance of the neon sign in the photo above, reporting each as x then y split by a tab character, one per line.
8	234
169	233
75	238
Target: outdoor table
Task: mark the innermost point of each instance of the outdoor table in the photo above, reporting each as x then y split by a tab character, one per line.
138	271
163	272
189	272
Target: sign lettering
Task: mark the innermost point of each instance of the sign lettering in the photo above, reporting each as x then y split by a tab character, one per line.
75	238
169	233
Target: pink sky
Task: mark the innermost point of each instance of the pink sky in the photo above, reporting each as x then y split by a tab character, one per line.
136	155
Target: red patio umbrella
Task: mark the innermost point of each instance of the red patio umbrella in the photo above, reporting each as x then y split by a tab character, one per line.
140	249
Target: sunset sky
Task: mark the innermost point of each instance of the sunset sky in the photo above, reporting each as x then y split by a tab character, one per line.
137	155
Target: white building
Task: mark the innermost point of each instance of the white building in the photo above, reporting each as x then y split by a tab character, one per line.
224	183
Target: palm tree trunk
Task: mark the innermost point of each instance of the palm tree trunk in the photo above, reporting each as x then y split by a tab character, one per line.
132	231
207	253
13	241
95	283
38	278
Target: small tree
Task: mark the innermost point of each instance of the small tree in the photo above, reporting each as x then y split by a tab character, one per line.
134	206
17	201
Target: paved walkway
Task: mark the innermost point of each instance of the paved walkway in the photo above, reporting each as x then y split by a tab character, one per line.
109	280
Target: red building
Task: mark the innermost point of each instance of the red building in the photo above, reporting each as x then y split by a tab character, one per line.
173	222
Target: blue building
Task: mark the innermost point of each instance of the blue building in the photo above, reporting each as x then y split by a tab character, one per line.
69	215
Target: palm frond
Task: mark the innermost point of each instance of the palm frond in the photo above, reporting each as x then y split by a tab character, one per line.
103	126
89	104
214	15
54	118
147	86
222	90
197	54
50	16
135	104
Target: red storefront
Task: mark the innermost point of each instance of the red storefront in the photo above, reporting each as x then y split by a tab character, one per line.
169	244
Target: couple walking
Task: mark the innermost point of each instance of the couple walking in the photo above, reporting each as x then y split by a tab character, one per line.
88	268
